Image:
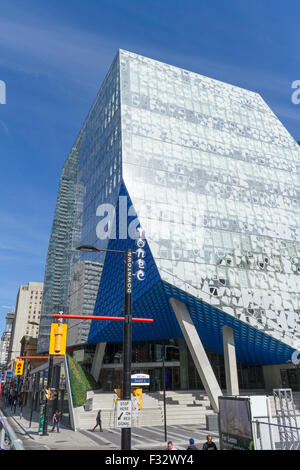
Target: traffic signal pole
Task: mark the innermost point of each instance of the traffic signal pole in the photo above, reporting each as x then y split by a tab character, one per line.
127	344
127	335
50	367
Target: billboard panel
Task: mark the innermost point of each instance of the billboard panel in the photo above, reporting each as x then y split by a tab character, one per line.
235	424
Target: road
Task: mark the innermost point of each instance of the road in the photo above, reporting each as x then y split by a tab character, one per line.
142	438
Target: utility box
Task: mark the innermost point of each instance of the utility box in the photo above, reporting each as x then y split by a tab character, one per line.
212	422
88	406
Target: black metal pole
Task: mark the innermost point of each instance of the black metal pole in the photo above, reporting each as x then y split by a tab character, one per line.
164	386
127	344
45	426
32	400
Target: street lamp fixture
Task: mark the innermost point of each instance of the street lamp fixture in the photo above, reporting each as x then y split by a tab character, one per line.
93	249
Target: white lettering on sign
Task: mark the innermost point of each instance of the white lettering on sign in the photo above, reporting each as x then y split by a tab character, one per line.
129	273
123	414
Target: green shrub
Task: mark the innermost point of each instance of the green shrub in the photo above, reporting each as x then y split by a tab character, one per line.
91	381
78	381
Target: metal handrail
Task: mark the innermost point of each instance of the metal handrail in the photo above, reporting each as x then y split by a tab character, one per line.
275	424
16	444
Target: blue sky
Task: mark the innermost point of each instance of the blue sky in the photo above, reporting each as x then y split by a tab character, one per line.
53	58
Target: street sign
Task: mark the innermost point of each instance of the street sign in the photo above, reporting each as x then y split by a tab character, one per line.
123	414
135	407
140	379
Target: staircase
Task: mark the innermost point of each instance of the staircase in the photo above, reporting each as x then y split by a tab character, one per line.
181	408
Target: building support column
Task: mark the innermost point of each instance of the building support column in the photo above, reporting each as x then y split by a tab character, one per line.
97	361
198	353
231	373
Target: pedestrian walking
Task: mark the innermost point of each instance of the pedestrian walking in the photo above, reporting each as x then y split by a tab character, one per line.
14	404
170	446
56	420
191	445
5	397
98	422
209	444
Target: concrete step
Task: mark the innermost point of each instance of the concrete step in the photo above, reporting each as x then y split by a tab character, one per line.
182	407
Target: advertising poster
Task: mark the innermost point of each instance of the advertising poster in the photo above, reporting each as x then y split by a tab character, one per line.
235	424
41	423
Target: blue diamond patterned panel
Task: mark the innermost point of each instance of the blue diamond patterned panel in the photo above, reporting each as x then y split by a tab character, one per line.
151	300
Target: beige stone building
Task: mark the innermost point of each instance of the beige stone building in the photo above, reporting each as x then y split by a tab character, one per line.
5	339
27	316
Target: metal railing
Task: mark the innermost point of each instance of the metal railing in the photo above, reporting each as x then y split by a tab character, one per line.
275	436
8	439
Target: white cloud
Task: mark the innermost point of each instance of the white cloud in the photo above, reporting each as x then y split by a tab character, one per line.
53	50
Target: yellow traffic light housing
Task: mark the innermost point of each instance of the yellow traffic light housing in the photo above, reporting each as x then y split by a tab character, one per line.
58	338
19	367
138	392
119	393
47	393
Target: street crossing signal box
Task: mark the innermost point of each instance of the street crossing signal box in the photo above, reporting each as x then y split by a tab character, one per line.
138	392
58	338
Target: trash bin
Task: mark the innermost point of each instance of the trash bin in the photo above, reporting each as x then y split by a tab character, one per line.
88	406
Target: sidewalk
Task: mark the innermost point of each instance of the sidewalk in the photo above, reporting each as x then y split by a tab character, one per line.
66	439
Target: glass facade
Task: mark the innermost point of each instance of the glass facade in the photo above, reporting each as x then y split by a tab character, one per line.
91	176
84	285
147	358
214	178
65	236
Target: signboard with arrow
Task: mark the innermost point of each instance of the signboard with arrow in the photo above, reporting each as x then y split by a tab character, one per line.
123	414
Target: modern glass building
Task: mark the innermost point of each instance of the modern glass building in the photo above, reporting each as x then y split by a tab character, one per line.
212	176
64	238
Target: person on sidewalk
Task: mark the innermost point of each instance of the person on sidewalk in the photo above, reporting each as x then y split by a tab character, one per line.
14	405
191	445
56	420
98	422
170	446
209	444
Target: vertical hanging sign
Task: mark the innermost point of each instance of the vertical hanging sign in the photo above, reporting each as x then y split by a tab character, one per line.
141	254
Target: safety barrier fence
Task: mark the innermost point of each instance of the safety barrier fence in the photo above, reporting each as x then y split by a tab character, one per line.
8	439
278	435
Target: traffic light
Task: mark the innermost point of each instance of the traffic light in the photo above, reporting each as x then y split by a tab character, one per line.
138	392
47	393
19	367
119	393
58	338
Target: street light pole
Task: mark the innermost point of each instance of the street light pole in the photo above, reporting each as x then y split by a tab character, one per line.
164	388
32	399
127	334
127	344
